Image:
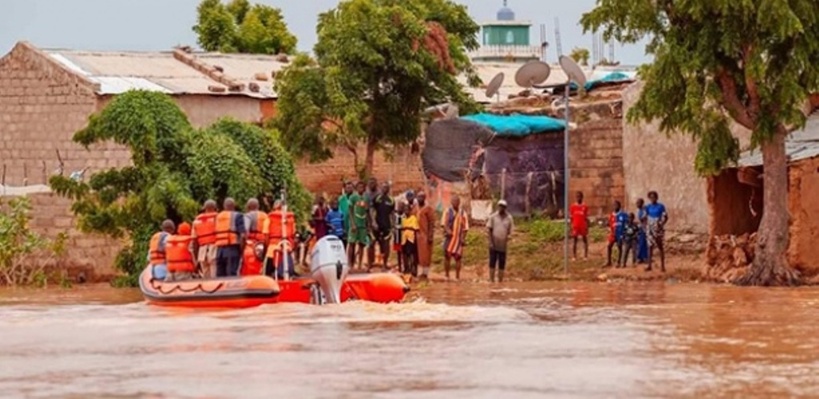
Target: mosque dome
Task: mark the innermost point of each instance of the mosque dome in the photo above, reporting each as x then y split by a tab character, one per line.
506	13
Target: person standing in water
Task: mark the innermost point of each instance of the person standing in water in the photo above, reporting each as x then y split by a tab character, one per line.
456	223
499	227
656	218
426	234
641	253
579	212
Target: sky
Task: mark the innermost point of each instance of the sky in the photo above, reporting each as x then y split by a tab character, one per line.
142	25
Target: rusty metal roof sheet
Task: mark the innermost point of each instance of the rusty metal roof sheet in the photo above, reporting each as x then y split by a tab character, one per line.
117	72
801	144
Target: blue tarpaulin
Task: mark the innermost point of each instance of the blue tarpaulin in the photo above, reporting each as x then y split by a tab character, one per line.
517	125
613	77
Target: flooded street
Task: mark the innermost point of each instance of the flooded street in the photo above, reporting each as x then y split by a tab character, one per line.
556	340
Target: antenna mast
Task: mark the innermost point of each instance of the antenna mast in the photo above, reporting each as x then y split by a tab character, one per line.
558	45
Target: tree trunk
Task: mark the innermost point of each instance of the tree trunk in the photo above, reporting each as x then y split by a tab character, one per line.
770	266
369	159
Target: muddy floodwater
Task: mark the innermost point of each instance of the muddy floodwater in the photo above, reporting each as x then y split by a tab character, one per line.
539	340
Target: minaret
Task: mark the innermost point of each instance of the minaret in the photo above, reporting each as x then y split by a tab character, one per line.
506	39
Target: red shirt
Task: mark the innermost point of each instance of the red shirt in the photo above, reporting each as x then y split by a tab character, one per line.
579	214
613	223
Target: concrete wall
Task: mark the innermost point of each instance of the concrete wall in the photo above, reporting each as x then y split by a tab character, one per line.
804	206
664	163
596	164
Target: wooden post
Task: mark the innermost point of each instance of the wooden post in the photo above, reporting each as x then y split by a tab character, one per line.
503	184
527	200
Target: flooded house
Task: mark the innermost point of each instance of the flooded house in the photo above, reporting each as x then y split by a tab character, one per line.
735	206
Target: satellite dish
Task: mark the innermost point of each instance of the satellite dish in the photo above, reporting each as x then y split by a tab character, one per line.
572	70
494	85
532	73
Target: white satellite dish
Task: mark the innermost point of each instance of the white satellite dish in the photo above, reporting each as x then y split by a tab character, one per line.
572	70
494	85
532	73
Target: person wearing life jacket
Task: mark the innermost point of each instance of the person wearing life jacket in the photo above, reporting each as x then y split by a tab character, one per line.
230	239
179	255
255	221
252	259
204	240
281	241
156	250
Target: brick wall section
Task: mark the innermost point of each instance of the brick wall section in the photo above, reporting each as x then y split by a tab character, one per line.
596	164
41	107
404	170
803	253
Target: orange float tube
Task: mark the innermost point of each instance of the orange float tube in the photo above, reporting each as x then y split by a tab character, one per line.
232	292
375	287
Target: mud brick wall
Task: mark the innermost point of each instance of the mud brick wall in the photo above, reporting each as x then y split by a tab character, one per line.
803	252
42	105
596	164
404	169
89	255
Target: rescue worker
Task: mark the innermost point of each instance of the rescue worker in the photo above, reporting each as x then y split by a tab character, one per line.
281	241
230	239
156	250
255	221
204	240
179	255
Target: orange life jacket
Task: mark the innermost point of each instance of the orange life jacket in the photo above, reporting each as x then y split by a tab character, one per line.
255	229
276	233
157	254
251	265
205	228
178	254
226	233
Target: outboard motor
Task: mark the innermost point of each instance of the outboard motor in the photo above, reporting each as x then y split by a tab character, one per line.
328	266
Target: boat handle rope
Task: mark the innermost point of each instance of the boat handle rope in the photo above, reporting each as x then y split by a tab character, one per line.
178	287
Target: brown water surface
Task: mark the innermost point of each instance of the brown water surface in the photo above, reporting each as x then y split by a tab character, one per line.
534	340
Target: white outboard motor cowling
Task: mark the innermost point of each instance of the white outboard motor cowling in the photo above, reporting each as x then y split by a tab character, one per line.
328	266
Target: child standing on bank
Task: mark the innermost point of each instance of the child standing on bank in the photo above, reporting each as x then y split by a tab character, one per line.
631	232
409	239
579	215
617	221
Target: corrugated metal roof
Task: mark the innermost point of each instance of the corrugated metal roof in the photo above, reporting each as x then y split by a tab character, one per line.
801	144
118	72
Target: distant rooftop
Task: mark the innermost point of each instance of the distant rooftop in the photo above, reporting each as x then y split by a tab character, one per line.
180	71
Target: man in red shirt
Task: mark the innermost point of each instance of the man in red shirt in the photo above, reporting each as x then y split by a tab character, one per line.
580	224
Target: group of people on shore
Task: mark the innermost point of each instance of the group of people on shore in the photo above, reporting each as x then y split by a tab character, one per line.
632	234
369	220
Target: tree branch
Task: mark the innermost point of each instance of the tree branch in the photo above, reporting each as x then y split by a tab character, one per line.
750	83
731	102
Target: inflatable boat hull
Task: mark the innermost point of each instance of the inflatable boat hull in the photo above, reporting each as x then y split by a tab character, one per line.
234	292
375	287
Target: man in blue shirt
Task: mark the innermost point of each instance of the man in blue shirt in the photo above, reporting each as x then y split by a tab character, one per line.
617	222
335	221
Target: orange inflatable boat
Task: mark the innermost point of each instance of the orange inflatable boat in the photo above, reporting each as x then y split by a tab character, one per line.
234	292
375	287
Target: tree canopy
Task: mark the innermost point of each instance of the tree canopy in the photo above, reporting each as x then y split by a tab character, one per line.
751	62
175	168
239	27
378	64
580	55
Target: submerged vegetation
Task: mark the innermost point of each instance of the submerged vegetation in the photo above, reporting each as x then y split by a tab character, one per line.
19	245
174	169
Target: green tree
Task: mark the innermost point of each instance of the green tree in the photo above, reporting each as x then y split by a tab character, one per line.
754	62
240	27
580	55
378	64
175	168
19	246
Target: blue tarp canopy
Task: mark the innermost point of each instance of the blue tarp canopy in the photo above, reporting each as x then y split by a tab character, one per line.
614	77
517	125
